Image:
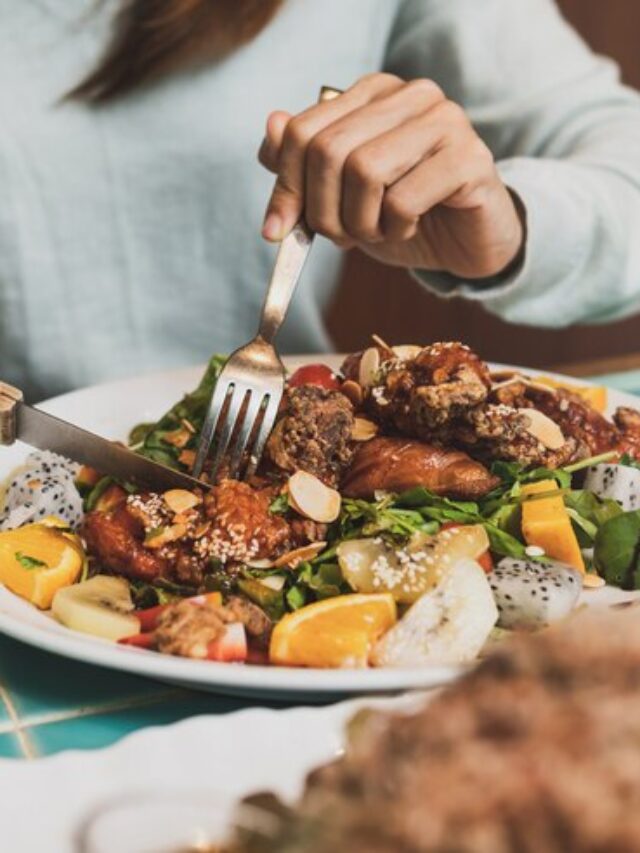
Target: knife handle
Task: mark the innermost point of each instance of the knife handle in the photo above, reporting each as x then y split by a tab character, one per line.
9	399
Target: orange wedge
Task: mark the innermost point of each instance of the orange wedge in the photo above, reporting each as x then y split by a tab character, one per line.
37	560
337	633
595	395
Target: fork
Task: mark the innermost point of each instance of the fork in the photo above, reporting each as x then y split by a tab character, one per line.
248	392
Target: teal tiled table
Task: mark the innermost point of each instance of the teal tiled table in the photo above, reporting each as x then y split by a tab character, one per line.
48	703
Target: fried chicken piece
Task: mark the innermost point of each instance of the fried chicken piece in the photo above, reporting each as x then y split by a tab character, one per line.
628	423
422	396
591	431
313	434
502	432
187	630
115	539
536	750
255	620
397	464
242	528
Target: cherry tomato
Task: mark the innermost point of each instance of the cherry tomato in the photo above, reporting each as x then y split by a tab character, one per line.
315	374
485	561
141	641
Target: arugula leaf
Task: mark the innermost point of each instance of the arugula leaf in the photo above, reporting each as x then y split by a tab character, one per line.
280	504
28	562
617	550
192	407
628	461
589	513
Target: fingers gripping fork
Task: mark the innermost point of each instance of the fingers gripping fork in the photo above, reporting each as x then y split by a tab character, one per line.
248	392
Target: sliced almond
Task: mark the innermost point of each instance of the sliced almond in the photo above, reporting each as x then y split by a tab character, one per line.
405	352
369	367
180	500
591	581
544	429
275	582
177	438
383	345
311	498
293	558
363	429
165	535
353	391
188	425
261	564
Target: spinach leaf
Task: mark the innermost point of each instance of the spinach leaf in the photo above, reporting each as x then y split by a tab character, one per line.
617	550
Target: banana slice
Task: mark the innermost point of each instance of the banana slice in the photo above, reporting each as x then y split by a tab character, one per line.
101	606
374	565
448	625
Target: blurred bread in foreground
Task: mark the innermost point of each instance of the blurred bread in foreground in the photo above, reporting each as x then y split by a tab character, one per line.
537	749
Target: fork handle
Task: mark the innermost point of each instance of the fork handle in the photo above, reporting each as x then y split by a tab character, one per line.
292	254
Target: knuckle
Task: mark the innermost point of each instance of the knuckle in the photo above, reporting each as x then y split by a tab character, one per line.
453	113
360	168
325	151
297	133
396	207
425	89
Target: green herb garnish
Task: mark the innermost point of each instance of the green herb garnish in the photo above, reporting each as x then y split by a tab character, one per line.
28	562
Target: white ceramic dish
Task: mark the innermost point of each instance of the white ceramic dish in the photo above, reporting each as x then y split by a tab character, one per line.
111	410
209	760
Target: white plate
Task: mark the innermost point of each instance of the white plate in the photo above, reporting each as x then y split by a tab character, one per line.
44	802
111	410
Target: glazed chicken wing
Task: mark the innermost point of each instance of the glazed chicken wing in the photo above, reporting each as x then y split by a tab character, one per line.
397	464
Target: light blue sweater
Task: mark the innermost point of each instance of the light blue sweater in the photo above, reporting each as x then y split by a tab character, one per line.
129	234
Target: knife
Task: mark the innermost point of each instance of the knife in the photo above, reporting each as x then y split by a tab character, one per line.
18	421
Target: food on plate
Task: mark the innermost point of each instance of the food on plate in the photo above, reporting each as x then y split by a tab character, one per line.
530	594
338	632
537	749
313	433
397	464
448	624
546	523
37	560
403	505
408	571
101	606
595	395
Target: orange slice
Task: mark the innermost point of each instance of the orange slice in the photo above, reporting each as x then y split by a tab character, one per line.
337	633
37	560
595	395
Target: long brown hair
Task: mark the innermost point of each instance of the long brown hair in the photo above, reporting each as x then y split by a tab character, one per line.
154	38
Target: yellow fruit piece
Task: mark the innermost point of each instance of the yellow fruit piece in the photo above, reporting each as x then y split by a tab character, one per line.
338	632
37	560
546	523
595	395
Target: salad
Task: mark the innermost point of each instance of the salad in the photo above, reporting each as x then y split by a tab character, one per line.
407	510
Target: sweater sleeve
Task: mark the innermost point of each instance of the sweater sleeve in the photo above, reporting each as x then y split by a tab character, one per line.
566	136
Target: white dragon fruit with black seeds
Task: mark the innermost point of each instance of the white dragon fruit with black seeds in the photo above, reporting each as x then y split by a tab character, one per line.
619	483
43	486
530	594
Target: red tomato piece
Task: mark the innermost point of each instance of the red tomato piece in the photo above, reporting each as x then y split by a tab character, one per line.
315	374
141	641
231	647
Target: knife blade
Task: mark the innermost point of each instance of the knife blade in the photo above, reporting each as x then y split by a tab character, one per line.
47	432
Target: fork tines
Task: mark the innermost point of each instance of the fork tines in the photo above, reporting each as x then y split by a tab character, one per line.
238	424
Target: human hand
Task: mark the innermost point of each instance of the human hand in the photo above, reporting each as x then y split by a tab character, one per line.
396	169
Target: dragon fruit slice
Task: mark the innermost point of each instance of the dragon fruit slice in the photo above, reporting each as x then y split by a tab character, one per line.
530	594
44	485
620	483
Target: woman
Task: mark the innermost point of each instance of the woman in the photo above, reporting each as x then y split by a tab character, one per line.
131	201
